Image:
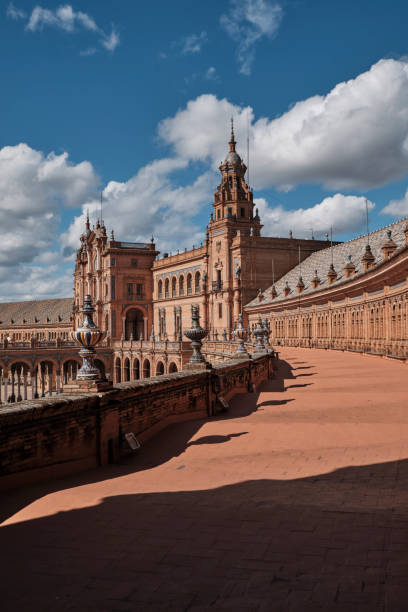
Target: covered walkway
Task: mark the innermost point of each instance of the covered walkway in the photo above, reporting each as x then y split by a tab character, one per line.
294	500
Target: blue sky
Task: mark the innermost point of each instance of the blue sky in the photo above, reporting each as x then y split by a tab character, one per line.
134	99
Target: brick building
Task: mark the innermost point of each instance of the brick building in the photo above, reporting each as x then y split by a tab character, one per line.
353	296
143	299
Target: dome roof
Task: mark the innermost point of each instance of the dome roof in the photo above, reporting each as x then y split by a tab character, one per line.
233	158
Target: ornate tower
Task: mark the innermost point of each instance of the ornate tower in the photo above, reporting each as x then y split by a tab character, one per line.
231	231
233	200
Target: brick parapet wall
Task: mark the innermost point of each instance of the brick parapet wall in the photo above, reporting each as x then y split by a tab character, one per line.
55	436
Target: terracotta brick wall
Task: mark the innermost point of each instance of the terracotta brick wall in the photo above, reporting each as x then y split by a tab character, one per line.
51	437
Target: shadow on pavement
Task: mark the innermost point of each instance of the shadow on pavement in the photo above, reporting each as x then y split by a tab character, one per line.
333	541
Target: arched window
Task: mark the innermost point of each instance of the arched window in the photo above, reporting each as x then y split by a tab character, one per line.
172	368
189	284
136	369
166	288
146	368
181	285
197	282
126	370
117	370
160	289
159	368
173	286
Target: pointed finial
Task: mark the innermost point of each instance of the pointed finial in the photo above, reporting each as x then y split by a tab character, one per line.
152	239
232	142
87	224
112	235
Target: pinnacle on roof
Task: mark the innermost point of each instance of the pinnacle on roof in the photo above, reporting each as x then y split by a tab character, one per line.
232	158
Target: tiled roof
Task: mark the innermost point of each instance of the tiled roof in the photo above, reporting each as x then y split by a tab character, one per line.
321	260
57	311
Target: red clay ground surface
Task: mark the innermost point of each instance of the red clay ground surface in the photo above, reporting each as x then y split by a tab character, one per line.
295	500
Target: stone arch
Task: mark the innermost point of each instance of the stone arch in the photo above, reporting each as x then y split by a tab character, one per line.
136	369
70	369
134	323
118	370
126	370
159	368
160	289
18	373
146	368
173	367
167	287
173	286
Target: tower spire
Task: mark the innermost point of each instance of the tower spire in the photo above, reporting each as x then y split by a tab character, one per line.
87	224
232	142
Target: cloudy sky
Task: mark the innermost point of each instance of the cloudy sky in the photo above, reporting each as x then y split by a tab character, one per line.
134	100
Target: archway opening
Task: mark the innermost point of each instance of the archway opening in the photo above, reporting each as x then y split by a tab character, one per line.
136	369
146	368
118	373
126	370
172	367
69	371
159	368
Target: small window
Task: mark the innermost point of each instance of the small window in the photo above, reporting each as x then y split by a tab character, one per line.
133	262
220	310
130	289
218	214
242	212
139	289
112	261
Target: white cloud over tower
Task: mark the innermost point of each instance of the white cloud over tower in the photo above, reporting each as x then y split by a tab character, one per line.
355	137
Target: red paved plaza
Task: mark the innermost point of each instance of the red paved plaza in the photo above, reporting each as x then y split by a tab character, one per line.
296	499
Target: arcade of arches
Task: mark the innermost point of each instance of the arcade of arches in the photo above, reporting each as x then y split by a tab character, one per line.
129	369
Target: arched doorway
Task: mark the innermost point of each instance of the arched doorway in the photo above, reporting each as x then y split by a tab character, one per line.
134	324
18	376
118	373
69	371
146	368
159	368
136	369
126	370
172	368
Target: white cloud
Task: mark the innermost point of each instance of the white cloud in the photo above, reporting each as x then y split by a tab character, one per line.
346	213
33	187
397	208
149	203
247	22
194	43
355	137
211	74
67	19
15	13
88	52
112	41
